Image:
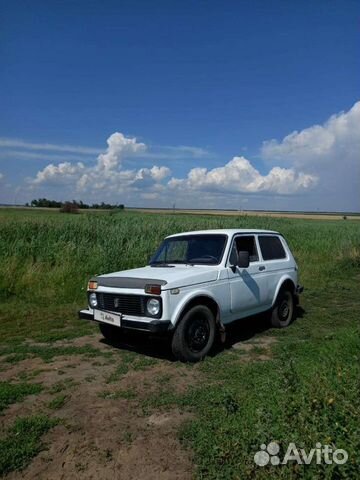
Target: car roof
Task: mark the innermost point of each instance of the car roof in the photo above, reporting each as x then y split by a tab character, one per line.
224	231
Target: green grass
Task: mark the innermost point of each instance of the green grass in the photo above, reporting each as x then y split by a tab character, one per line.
130	361
304	395
128	394
16	392
23	442
307	391
62	385
17	352
58	402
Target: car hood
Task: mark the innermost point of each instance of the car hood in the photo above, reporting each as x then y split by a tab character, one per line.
167	277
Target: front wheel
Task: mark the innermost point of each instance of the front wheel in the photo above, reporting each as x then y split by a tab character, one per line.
194	334
283	310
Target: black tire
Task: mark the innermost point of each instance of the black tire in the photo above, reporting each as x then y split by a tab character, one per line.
110	332
194	335
283	310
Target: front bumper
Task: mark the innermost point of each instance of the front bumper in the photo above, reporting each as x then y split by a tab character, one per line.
152	326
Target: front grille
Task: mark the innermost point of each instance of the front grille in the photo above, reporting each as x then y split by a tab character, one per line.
122	303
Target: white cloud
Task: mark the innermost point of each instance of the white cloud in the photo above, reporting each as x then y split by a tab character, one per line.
239	175
180	151
159	173
117	141
149	195
14	143
2	176
107	174
316	168
340	135
118	145
63	173
331	152
50	157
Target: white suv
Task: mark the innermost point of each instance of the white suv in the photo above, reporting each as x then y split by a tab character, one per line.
195	285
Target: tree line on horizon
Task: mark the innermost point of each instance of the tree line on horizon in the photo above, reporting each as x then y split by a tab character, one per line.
44	202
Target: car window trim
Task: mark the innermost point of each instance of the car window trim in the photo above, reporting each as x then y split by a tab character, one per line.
250	234
224	235
280	237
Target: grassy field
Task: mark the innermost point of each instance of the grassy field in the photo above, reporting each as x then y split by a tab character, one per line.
59	379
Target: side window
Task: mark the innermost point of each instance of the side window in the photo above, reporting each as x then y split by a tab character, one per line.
246	243
271	247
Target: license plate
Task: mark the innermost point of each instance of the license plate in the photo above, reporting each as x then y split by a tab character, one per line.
107	317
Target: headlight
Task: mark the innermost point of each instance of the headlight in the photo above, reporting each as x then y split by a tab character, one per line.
93	300
153	306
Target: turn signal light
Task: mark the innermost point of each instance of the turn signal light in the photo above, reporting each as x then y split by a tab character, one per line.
153	289
92	285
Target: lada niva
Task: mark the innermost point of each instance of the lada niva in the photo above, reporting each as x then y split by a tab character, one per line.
195	285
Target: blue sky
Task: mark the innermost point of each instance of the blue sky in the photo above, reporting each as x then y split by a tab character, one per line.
220	78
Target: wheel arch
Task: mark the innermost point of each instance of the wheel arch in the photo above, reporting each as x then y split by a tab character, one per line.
285	282
200	298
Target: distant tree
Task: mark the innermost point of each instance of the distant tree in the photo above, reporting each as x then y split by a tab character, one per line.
44	202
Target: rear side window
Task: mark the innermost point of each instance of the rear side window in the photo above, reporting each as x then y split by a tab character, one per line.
271	248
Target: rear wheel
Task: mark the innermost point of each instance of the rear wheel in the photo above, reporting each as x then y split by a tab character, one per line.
109	332
194	334
283	310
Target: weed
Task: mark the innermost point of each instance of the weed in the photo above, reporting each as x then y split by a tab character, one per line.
15	392
23	442
58	402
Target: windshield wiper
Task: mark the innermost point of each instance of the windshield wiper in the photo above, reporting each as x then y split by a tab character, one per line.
171	264
181	262
160	264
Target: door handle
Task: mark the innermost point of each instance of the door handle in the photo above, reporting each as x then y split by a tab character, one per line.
261	268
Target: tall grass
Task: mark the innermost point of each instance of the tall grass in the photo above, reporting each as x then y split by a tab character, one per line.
50	257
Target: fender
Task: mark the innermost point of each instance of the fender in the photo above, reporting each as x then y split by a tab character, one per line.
282	280
186	299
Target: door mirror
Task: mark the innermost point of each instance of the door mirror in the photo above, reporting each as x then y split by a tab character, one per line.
243	259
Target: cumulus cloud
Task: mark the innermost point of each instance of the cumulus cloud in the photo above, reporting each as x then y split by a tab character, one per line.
239	175
340	135
330	152
107	173
156	173
320	163
118	145
63	173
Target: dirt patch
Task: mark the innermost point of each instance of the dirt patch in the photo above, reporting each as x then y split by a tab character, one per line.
255	349
108	442
123	428
101	436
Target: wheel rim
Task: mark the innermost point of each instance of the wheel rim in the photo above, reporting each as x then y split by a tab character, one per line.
198	334
284	309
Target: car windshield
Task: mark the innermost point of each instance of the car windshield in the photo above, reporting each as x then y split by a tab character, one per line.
204	249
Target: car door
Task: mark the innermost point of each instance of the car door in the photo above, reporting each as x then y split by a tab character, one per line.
248	286
275	260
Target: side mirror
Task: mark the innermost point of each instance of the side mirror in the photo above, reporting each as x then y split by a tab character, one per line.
243	259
